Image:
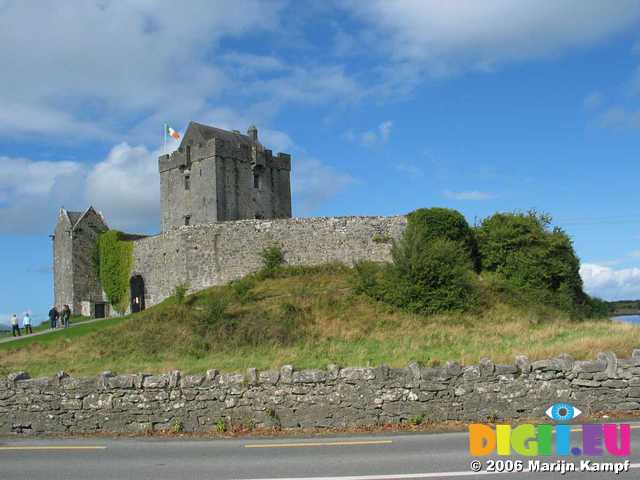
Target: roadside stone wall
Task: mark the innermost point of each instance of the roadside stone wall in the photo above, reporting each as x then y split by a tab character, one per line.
215	254
335	397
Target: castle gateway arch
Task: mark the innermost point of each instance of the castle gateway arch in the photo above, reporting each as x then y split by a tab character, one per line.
137	293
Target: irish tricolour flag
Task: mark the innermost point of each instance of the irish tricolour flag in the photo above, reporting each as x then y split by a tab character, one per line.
172	133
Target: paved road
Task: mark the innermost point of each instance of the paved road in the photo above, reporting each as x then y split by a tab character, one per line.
374	457
45	332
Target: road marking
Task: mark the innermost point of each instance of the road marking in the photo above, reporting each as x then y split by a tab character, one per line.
407	476
52	447
318	444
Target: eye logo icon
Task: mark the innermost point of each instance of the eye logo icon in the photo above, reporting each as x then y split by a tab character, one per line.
562	412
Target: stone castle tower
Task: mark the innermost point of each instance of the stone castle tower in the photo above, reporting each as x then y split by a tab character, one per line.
214	176
75	281
217	175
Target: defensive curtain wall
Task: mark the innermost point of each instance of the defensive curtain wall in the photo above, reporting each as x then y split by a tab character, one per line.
335	397
214	254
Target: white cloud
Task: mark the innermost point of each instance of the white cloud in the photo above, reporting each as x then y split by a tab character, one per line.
611	284
372	138
468	195
445	37
125	187
19	176
314	183
32	191
79	69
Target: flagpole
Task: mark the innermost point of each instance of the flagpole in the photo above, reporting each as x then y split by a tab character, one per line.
164	139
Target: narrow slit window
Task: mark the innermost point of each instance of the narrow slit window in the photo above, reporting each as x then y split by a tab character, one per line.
187	182
256	180
187	220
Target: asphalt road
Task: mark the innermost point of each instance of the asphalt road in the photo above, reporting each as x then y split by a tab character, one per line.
373	457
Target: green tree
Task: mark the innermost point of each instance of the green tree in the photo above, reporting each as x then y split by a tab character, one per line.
525	251
432	269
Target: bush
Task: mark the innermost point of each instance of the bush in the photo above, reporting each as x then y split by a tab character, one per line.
528	254
432	265
242	289
437	279
180	293
272	258
428	224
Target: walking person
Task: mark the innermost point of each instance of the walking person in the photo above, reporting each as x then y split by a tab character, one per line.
53	317
66	314
26	323
15	327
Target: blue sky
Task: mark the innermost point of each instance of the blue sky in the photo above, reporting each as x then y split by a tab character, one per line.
385	106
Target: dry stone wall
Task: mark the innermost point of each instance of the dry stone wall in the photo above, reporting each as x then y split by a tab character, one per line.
214	254
335	397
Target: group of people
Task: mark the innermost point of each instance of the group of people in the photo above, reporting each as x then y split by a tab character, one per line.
62	316
57	319
15	325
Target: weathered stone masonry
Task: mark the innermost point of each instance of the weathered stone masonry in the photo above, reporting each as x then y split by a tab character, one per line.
335	397
214	254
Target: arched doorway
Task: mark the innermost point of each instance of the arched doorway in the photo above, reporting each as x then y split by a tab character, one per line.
137	293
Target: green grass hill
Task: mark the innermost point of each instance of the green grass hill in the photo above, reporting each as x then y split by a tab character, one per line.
310	317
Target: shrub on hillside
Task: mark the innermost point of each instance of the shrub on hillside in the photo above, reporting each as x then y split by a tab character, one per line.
180	293
432	269
272	258
428	224
526	252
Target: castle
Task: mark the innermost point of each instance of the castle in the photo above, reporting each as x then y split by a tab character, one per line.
224	198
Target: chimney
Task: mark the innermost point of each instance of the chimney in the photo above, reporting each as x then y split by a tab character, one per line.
252	132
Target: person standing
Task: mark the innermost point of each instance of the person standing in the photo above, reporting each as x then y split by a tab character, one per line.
26	323
53	317
15	327
66	314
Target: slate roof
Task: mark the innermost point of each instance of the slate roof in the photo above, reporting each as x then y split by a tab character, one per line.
74	217
208	133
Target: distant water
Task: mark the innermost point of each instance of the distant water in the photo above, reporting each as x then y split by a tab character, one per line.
627	319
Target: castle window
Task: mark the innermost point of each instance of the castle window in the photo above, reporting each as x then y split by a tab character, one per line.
256	180
187	182
188	156
187	220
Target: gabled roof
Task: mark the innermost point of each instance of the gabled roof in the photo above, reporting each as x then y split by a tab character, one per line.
76	217
207	133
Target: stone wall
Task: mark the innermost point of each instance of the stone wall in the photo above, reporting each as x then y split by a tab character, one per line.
335	397
206	255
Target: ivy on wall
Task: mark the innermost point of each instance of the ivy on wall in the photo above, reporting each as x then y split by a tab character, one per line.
114	258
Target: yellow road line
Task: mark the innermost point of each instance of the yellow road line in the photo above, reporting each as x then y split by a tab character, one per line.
52	447
318	444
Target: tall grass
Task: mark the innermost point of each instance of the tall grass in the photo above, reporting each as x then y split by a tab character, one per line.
309	317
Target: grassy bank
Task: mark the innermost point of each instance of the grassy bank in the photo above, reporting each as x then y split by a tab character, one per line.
309	318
